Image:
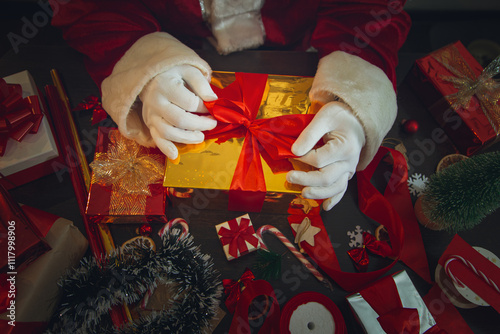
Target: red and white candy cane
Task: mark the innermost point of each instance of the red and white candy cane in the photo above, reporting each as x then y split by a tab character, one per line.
291	247
168	226
470	266
166	229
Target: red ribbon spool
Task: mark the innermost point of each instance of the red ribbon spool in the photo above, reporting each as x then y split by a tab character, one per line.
310	297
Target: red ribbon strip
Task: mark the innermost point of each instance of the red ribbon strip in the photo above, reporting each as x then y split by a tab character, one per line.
447	317
394	210
400	320
238	235
18	116
232	289
236	111
271	323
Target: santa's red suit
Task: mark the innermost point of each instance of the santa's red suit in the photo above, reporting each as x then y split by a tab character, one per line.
127	43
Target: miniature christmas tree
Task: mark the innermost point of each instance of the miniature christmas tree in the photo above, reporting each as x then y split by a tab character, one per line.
458	197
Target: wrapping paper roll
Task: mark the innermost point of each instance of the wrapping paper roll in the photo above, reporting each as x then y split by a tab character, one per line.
311	312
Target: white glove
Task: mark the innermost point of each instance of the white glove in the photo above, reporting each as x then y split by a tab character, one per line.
337	159
168	101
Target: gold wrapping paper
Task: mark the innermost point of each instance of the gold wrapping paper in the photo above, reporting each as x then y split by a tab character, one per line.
211	166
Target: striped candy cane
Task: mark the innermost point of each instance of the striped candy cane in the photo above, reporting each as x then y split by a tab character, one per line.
168	226
470	266
291	247
164	230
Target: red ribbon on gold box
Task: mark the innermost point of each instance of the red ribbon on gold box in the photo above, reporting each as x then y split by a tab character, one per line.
259	118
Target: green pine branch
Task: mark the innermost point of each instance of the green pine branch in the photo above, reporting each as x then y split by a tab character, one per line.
461	195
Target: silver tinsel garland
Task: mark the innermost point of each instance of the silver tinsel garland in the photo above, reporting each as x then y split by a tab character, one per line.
91	290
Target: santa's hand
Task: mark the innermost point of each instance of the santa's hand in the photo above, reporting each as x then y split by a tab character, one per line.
168	103
337	159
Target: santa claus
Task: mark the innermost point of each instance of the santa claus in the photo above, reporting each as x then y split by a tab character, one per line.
140	54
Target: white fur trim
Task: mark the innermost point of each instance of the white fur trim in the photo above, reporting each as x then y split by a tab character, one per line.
236	24
150	55
365	88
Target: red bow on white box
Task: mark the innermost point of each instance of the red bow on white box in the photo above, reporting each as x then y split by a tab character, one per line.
393	305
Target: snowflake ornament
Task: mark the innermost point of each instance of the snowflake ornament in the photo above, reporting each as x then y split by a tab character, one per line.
356	237
417	183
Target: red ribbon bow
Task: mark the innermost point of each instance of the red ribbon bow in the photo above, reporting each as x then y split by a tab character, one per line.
92	103
385	299
236	111
360	256
232	289
18	116
238	235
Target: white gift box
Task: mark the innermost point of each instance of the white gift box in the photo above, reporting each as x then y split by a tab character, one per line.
31	158
409	299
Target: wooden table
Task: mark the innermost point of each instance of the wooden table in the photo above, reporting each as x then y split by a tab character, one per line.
55	194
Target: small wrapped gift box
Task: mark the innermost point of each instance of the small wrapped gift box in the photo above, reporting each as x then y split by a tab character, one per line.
237	237
392	305
28	147
126	180
242	164
460	95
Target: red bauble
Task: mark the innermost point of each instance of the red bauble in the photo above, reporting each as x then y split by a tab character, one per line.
410	125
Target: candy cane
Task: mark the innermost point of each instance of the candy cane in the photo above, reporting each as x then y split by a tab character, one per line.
164	230
291	247
470	266
168	226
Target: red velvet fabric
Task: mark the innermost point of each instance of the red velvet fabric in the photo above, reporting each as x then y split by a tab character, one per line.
104	29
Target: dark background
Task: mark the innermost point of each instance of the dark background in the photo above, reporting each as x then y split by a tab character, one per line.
435	24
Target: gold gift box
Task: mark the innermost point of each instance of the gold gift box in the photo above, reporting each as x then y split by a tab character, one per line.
202	177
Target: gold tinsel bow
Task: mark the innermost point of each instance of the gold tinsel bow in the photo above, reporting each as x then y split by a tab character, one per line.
484	87
129	171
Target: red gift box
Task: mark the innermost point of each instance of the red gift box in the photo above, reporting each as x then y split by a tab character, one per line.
126	183
392	305
460	96
26	137
237	237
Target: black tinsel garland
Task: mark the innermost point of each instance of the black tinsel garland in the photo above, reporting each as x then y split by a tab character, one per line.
92	289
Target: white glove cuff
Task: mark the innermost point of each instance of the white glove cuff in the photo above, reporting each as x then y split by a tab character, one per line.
365	88
150	55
